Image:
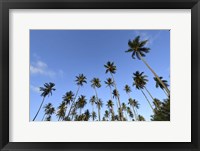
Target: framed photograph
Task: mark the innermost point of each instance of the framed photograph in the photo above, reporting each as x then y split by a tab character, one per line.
99	75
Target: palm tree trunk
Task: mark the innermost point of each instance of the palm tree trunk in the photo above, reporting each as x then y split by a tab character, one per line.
92	111
167	90
73	101
99	114
43	117
147	100
113	114
136	118
133	108
39	109
151	96
121	117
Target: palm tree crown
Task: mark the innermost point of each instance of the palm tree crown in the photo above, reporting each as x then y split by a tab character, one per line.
110	67
109	82
139	80
127	88
47	89
110	104
136	46
81	101
96	83
158	84
68	97
93	100
80	79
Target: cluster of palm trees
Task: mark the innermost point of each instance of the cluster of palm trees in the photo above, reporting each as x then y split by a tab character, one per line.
70	109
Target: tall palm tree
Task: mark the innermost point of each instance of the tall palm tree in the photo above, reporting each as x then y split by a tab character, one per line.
130	102
136	106
49	110
81	102
93	101
109	83
61	111
111	68
110	105
160	85
130	113
124	109
137	47
99	104
106	115
80	80
140	82
87	115
96	83
46	91
127	89
94	116
68	97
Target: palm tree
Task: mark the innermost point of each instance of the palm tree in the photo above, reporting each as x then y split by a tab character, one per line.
46	91
157	103
111	68
136	106
87	115
99	104
124	109
81	102
106	115
137	47
80	80
96	83
48	118
141	118
127	89
160	85
140	82
61	111
130	102
109	83
110	107
94	115
93	101
129	112
49	110
68	97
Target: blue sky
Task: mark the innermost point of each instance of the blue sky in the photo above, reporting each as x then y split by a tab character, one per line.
59	55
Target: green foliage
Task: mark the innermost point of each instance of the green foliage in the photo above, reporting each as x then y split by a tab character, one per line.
163	112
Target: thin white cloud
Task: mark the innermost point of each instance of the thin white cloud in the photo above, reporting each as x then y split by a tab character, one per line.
41	68
35	89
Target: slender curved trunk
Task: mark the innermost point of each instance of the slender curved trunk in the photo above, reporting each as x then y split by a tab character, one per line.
167	90
73	101
121	117
43	117
113	114
111	97
92	111
97	99
99	113
136	118
147	100
133	108
39	109
151	96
